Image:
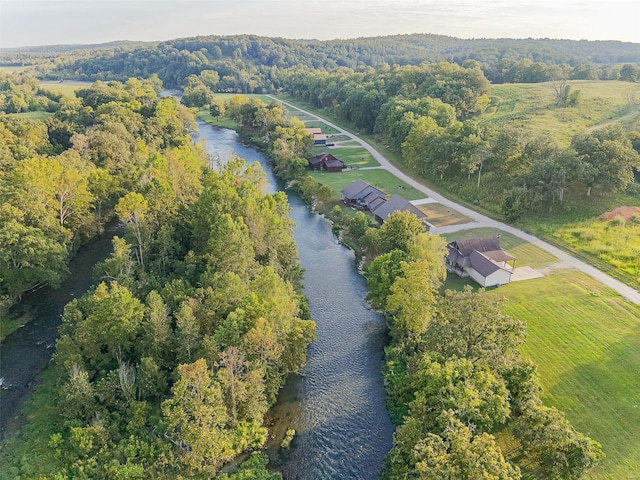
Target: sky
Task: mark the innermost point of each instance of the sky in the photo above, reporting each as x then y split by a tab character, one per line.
53	22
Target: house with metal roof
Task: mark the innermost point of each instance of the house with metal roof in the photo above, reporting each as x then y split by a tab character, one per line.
394	204
481	259
361	195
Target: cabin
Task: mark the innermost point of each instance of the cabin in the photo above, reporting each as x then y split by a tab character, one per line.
327	162
319	138
359	194
482	259
395	204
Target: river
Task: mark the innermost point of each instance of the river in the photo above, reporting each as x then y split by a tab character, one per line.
336	405
27	351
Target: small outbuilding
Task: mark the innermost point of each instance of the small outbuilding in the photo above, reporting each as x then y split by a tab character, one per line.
481	259
319	138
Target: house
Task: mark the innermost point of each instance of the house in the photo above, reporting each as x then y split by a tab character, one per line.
481	259
394	204
327	162
319	138
361	195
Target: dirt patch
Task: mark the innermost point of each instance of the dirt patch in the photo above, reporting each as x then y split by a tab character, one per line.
624	212
441	216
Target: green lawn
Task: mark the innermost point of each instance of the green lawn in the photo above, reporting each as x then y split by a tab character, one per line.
526	254
224	122
585	340
381	179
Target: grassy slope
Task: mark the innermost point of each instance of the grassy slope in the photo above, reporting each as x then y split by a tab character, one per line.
531	106
585	340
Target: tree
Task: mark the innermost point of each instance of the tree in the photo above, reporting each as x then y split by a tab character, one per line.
382	274
562	452
471	325
197	418
132	209
400	231
459	454
608	158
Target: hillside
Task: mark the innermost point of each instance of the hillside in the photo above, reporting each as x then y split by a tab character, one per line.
531	107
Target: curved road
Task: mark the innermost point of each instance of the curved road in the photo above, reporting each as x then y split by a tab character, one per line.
480	220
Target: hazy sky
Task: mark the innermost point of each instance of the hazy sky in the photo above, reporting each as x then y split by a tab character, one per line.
49	22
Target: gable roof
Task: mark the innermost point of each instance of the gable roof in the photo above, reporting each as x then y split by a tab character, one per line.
483	265
358	189
489	246
394	204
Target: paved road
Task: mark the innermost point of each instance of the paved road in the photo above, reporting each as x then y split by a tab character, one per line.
479	220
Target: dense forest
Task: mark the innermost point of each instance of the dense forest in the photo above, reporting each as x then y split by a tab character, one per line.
168	366
252	64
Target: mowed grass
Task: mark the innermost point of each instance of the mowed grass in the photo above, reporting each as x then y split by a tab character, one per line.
440	216
351	156
526	254
585	340
531	106
380	179
66	89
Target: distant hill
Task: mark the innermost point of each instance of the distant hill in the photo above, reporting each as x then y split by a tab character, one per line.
263	57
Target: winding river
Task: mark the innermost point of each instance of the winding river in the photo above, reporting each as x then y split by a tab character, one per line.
337	404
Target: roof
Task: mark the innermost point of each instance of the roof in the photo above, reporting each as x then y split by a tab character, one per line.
333	162
481	254
314	130
483	265
319	136
394	204
359	189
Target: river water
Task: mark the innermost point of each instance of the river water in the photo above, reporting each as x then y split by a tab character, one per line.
337	404
27	351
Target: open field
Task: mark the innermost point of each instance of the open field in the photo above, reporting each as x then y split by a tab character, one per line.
378	178
15	68
66	88
526	254
226	96
616	242
224	122
531	106
440	216
585	340
37	115
351	156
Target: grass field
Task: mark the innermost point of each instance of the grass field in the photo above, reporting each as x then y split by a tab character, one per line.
585	340
381	179
33	115
224	122
531	106
66	89
440	216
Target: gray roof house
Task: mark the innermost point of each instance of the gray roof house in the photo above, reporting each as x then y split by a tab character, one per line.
361	195
481	259
394	204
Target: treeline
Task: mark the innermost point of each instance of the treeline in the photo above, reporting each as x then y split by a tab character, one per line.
252	64
168	367
455	377
428	114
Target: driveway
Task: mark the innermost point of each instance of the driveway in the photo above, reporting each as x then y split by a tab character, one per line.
479	220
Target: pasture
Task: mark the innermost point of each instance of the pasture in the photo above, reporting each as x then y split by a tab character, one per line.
585	340
66	88
531	106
